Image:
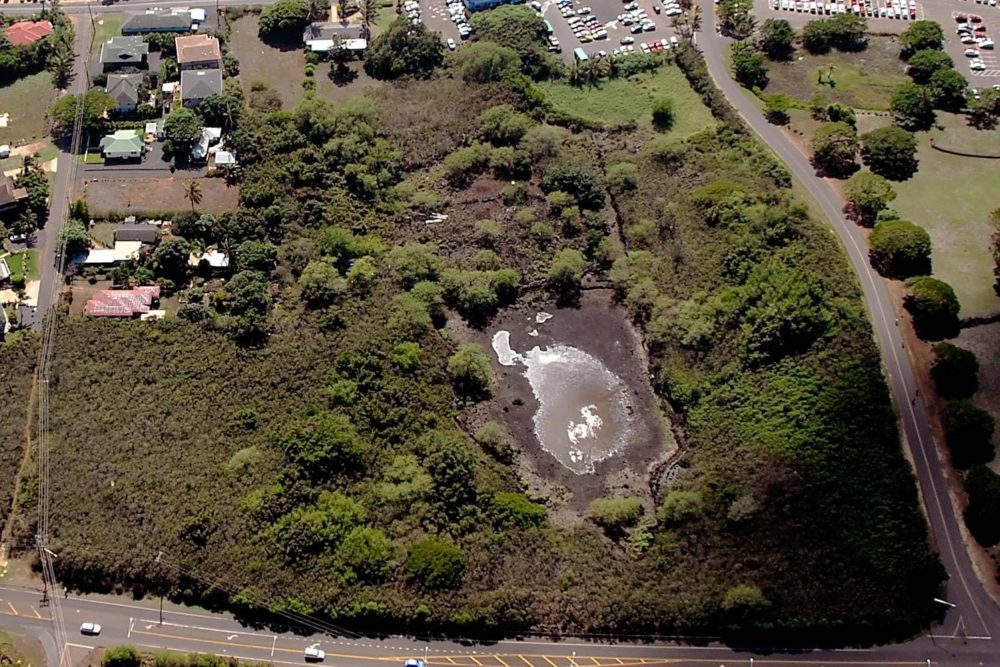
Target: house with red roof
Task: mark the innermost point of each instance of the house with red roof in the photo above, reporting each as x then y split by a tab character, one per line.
27	32
122	303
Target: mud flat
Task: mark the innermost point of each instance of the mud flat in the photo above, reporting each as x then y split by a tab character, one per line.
574	393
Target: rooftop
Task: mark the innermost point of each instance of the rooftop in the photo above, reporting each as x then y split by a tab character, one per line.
197	48
124	50
122	303
8	193
27	32
159	20
124	88
122	141
199	84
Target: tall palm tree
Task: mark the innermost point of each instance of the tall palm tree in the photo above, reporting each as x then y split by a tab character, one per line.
192	192
60	62
342	11
369	14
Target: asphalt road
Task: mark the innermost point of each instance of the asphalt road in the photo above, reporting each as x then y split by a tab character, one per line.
975	612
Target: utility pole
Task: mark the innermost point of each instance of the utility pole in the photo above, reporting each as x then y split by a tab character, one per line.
159	555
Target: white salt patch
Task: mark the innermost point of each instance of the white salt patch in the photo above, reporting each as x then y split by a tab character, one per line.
587	428
501	346
533	332
542	317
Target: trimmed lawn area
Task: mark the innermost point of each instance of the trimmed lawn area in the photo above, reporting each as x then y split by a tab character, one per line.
106	26
951	197
26	100
46	152
25	262
862	80
618	101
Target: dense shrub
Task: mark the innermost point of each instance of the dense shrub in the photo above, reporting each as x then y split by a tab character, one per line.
982	515
900	249
954	371
435	564
616	513
969	434
934	308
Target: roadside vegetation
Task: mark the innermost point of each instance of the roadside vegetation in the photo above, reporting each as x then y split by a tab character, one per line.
291	440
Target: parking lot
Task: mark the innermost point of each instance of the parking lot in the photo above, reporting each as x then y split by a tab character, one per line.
603	24
976	59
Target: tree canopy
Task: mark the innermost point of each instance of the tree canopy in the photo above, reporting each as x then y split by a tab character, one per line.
955	371
835	149
968	430
911	106
867	195
934	307
921	35
890	152
285	18
775	38
900	249
404	49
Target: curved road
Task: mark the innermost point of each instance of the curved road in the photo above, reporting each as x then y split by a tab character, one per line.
975	613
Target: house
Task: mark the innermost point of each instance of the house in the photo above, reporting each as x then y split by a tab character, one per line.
198	52
122	145
209	137
27	32
212	259
137	232
122	303
324	36
225	159
196	85
124	251
156	20
9	195
4	270
124	52
124	89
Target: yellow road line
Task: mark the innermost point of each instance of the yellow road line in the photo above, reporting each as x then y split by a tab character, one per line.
476	661
525	660
501	661
12	610
450	659
620	661
35	611
546	659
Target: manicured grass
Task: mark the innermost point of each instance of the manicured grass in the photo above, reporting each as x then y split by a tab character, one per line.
106	26
951	197
386	15
24	262
26	100
862	80
618	101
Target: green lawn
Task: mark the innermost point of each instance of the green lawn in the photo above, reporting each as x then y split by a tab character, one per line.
25	262
951	197
45	153
617	101
106	27
862	80
26	101
386	15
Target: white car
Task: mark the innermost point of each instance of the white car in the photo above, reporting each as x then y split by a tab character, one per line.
649	27
92	629
627	40
985	43
673	41
673	12
967	39
537	6
414	662
977	65
314	654
451	44
972	53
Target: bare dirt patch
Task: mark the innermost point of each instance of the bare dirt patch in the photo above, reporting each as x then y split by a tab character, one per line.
129	196
602	330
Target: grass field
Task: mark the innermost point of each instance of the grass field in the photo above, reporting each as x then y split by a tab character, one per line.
862	80
284	68
46	152
24	262
617	101
107	26
951	196
26	100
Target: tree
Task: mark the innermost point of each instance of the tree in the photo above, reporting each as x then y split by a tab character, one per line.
501	125
614	514
321	283
470	370
182	129
983	112
776	107
934	308
485	62
911	107
736	19
461	166
623	177
835	147
583	184
369	14
96	104
900	249
867	195
247	294
60	63
890	152
743	604
968	430
223	111
324	443
924	64
775	38
749	67
664	114
284	18
74	238
982	515
921	35
254	255
365	554
436	564
518	28
170	259
414	262
192	192
816	36
515	510
566	271
947	89
121	656
955	371
404	50
409	317
679	507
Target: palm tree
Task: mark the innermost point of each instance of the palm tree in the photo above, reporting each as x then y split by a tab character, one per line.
342	11
192	192
369	14
28	163
61	63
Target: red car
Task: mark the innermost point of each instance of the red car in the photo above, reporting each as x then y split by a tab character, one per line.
961	18
975	18
980	28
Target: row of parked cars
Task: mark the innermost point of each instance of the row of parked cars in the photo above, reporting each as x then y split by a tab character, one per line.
971	32
636	19
456	11
890	9
628	47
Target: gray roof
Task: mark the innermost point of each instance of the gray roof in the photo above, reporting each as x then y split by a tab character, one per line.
156	21
332	30
130	50
124	88
199	84
137	232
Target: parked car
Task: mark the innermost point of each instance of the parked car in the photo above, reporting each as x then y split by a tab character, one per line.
414	662
92	629
537	6
673	40
628	39
314	654
451	44
977	65
971	53
985	43
967	38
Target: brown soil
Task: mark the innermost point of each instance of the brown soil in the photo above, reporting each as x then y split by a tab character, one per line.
602	329
23	650
134	195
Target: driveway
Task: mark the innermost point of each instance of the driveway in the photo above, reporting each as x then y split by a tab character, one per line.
153	165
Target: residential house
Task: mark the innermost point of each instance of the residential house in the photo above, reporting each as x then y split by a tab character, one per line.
198	52
129	52
323	36
156	20
27	32
211	259
122	145
196	85
10	196
124	89
124	251
209	137
148	234
122	303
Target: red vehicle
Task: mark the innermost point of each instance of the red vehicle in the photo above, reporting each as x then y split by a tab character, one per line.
980	28
961	18
975	18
